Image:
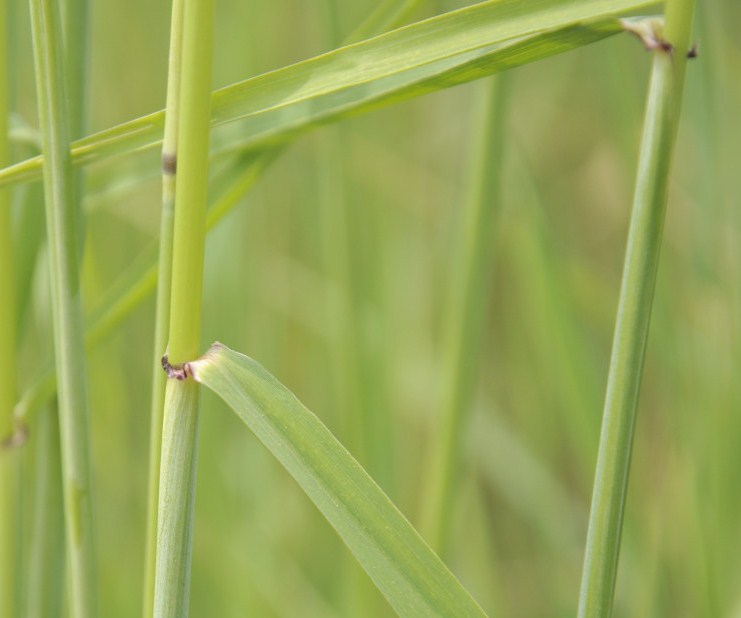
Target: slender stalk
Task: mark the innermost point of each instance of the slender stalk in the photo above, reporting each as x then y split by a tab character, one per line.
180	432
43	592
75	20
176	499
8	455
66	306
192	183
464	321
76	16
162	317
7	281
634	309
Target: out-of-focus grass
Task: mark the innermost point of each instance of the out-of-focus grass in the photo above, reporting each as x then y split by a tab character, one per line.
259	545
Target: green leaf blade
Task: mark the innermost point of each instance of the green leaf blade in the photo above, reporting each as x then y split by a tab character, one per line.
412	61
404	568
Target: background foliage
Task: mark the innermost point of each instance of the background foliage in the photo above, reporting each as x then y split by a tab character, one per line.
572	128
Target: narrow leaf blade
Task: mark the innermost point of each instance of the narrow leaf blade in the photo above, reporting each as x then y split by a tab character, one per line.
405	569
437	53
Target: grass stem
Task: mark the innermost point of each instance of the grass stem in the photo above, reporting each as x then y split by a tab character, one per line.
76	17
634	311
162	311
465	317
180	430
66	306
8	455
176	499
43	589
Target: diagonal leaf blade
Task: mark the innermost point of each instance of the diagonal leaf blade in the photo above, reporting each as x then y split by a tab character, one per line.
437	53
405	569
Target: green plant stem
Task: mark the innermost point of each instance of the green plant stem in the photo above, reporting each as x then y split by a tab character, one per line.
464	320
192	183
176	499
75	19
8	455
180	431
76	16
162	312
43	591
634	312
66	307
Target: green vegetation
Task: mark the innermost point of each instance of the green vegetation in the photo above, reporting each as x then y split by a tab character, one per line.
415	216
63	216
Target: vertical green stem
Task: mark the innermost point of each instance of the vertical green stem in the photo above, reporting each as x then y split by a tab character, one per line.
75	14
180	430
7	285
8	455
66	305
464	320
43	591
634	312
176	499
162	317
75	19
191	191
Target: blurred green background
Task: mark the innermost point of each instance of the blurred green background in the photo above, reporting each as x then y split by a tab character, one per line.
366	331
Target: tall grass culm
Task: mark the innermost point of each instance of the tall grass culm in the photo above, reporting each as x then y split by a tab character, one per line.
9	459
182	398
62	223
670	46
162	309
468	302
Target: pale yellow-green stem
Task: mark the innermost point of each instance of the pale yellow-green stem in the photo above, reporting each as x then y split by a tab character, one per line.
669	49
180	430
162	317
61	223
9	456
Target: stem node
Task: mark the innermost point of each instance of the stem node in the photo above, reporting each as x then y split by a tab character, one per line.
178	371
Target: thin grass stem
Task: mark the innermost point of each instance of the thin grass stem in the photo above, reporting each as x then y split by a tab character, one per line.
162	311
43	589
8	455
465	318
634	308
76	18
181	409
66	306
176	499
